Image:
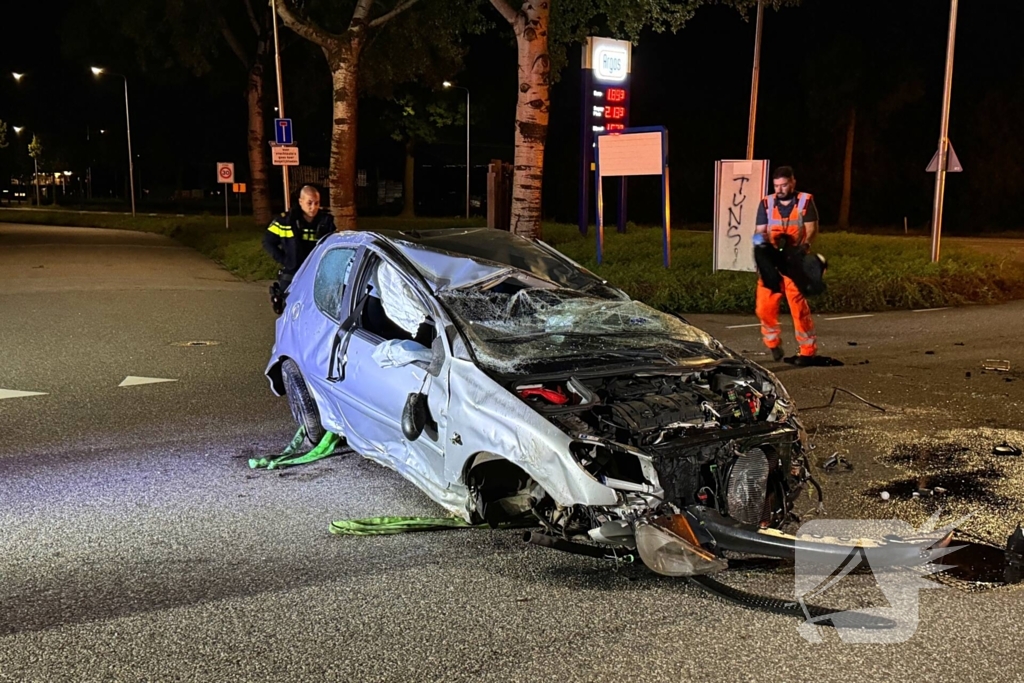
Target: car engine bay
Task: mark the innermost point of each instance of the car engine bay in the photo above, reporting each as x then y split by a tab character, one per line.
720	437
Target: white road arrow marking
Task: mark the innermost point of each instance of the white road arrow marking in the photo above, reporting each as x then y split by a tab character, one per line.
131	381
11	393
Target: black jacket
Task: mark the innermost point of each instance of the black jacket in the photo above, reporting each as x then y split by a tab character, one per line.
289	239
806	270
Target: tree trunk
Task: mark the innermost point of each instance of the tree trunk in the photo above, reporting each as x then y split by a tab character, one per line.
531	29
844	204
343	59
409	208
259	176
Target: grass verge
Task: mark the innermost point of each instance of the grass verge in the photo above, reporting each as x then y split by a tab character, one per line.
866	272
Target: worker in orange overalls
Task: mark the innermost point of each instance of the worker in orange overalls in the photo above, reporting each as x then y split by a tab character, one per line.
791	215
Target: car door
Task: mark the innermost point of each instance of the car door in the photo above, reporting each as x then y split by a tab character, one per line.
318	329
375	396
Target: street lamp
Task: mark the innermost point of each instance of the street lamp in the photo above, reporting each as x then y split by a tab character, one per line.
449	84
18	129
98	71
17	76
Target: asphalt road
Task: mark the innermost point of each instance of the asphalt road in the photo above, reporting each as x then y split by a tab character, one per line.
137	545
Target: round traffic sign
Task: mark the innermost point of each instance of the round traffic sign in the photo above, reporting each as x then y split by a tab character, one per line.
225	172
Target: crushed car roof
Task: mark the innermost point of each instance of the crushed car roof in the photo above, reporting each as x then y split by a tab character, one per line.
451	258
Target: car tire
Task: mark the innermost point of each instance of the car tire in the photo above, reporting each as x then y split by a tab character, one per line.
301	402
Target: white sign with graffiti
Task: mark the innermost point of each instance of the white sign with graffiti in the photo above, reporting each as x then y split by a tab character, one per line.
739	187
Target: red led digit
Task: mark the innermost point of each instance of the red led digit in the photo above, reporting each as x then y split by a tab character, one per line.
615	126
616	95
615	112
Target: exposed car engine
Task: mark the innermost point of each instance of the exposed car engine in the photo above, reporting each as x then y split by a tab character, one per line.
721	438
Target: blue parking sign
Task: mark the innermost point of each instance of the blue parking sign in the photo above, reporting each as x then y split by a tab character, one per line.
283	132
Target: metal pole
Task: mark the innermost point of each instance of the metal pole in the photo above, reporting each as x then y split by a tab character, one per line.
226	225
467	153
751	121
280	104
131	162
940	173
39	203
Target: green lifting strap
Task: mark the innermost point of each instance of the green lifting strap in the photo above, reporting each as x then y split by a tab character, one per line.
378	526
291	455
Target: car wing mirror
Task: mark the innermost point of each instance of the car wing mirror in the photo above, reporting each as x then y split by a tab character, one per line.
414	415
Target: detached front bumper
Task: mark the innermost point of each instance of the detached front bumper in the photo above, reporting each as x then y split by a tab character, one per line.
694	542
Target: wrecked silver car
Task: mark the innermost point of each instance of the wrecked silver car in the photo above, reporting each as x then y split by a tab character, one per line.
509	383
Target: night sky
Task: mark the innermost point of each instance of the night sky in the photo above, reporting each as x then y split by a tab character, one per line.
883	58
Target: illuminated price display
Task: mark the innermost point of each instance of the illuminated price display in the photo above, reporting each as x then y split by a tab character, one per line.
605	108
609	109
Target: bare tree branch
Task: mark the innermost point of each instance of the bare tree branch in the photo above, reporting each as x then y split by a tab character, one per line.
361	12
306	29
252	18
506	10
229	36
385	18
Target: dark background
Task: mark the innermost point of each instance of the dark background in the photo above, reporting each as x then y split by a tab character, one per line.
885	59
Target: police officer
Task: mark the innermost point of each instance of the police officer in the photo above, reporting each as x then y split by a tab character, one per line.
291	238
785	217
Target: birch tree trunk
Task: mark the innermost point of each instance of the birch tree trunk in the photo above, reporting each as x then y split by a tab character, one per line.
343	59
530	24
342	51
844	203
259	180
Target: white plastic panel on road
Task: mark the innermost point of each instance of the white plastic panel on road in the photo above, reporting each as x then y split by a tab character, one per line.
132	381
11	393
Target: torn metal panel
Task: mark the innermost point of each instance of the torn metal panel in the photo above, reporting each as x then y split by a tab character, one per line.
491	420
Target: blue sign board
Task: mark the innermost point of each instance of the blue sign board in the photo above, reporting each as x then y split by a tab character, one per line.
283	132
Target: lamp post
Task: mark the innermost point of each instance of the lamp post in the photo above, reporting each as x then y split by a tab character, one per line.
940	171
280	102
448	84
128	124
752	117
17	76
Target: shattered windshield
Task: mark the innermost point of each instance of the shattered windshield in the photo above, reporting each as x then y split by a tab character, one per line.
512	331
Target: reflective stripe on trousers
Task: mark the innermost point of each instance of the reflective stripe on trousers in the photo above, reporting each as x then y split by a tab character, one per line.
768	312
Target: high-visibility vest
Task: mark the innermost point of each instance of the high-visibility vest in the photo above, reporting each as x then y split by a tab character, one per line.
793	226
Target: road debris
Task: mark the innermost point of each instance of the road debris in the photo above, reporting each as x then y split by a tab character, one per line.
835	391
996	365
1005	449
835	461
813	361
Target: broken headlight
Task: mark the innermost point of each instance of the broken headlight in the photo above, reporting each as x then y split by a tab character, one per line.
668	546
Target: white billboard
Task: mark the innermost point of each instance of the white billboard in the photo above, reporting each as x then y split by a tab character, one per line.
739	187
631	154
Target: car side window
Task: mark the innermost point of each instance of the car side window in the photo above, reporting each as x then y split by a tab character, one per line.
331	277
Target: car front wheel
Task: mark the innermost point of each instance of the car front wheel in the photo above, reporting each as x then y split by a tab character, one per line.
301	402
